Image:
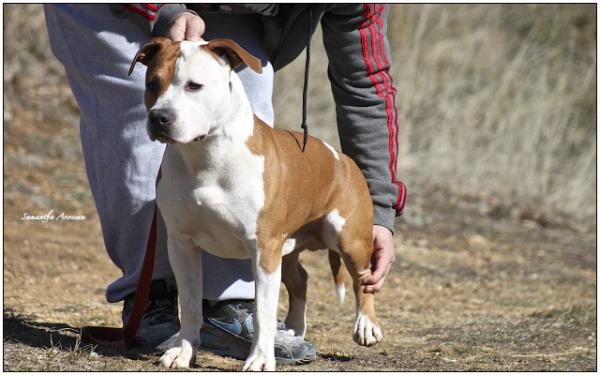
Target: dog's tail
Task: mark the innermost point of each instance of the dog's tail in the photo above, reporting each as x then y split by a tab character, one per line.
337	269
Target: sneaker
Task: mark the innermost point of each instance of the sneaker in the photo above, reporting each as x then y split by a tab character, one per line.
228	329
160	321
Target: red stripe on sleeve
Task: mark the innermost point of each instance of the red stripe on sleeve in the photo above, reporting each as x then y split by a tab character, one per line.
392	86
388	98
400	202
374	18
365	49
152	7
140	11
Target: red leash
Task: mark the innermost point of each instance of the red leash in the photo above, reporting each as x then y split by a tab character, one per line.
123	338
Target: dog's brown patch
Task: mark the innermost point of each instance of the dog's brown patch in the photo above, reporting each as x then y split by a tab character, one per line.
160	56
235	54
301	188
315	184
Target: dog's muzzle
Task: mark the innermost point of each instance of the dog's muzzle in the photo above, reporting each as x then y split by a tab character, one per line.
159	124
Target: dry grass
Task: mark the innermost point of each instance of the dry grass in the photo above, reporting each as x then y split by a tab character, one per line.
498	100
491	97
468	292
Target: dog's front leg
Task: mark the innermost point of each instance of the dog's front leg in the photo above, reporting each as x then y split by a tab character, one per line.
186	262
266	266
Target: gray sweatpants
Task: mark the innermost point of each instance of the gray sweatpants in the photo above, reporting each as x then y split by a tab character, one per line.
96	48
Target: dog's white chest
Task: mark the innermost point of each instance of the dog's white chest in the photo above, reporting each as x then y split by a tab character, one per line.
217	207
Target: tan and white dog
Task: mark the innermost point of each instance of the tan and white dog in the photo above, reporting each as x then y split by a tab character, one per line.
236	188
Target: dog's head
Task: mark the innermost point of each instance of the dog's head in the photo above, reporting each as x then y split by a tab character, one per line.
188	85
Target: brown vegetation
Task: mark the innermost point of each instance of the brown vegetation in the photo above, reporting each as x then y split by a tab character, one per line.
496	265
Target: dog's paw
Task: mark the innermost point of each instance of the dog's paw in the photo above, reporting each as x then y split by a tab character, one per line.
366	333
177	357
259	362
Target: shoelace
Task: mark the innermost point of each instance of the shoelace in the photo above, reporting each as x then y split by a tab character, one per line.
248	308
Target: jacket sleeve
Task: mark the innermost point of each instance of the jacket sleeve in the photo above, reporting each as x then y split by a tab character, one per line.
166	15
160	16
147	10
355	40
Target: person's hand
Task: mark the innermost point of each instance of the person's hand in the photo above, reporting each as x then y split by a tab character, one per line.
187	26
383	257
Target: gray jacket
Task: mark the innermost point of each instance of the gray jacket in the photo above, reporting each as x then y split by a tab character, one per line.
355	41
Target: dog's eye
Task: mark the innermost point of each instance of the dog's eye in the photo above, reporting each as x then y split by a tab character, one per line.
192	86
152	85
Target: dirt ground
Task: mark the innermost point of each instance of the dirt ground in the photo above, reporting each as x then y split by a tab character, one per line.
479	283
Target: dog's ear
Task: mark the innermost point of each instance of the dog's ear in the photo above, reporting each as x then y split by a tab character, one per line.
148	51
235	54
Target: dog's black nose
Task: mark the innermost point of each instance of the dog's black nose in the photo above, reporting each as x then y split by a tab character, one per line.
161	118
